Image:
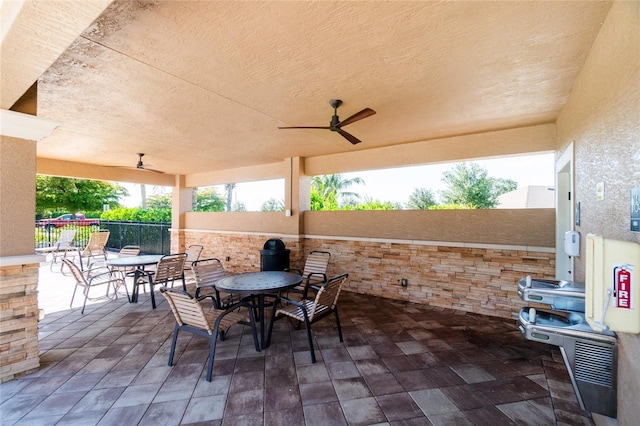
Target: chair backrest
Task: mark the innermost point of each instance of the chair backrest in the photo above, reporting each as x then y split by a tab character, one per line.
193	252
128	251
316	263
97	242
170	267
66	238
327	296
207	272
76	272
186	309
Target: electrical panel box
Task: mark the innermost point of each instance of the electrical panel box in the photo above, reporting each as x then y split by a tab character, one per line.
612	286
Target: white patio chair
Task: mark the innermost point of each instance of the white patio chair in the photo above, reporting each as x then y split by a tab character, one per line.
87	281
61	248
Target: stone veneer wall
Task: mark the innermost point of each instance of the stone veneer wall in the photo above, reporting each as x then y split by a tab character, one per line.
18	320
243	249
473	279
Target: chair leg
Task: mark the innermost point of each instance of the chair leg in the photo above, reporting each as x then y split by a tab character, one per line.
153	297
116	287
254	331
310	338
212	352
173	343
273	319
335	311
86	296
73	296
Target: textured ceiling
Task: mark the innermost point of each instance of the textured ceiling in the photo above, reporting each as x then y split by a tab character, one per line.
201	86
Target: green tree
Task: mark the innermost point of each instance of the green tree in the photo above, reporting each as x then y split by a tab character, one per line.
321	202
238	206
330	188
470	184
452	207
208	200
137	214
159	201
75	195
372	204
272	205
421	199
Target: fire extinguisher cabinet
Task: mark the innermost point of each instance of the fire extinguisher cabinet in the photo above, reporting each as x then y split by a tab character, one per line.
613	284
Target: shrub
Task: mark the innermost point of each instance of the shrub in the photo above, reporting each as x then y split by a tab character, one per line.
137	214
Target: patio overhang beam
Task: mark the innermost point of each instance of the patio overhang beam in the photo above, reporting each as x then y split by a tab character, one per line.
537	139
71	169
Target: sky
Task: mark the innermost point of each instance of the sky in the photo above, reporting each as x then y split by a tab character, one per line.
395	185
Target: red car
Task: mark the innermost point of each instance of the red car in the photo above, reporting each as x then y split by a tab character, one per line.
67	219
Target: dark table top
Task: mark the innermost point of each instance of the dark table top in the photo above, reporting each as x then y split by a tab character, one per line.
144	259
259	282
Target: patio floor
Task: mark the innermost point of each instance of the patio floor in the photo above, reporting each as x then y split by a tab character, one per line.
400	364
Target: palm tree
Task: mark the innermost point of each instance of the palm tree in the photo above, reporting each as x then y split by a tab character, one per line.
328	186
229	190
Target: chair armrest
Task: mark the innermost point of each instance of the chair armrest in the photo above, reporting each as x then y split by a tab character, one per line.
92	272
213	300
291	302
308	285
316	274
104	276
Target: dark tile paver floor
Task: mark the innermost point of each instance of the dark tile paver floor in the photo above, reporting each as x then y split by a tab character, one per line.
400	364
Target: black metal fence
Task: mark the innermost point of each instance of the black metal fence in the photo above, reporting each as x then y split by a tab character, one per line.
152	237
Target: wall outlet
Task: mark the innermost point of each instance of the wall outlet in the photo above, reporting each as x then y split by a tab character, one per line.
404	282
227	258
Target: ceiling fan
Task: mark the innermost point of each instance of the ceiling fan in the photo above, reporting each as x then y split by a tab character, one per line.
336	125
141	166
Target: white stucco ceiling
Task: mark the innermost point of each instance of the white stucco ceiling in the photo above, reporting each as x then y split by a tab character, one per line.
201	86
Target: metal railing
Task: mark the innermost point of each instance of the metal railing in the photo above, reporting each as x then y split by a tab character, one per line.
152	237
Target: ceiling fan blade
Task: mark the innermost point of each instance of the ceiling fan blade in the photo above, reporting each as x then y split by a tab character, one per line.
150	170
349	137
357	116
306	127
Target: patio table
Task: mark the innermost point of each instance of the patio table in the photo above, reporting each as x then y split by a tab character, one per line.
137	263
259	284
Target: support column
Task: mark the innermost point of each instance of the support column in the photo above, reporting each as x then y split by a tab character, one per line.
297	192
19	264
181	202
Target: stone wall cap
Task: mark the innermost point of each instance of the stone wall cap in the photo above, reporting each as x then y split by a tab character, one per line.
25	259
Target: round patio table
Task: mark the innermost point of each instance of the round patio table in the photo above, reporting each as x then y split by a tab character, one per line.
259	284
137	263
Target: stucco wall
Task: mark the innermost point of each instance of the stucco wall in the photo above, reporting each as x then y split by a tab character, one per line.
602	118
517	227
265	222
18	266
17	195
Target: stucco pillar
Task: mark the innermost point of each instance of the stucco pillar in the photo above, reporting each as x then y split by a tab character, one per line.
181	202
297	187
18	262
